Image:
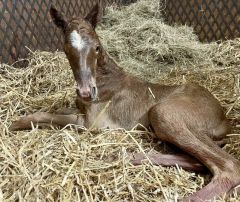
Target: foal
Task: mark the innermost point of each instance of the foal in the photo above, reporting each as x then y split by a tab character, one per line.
187	116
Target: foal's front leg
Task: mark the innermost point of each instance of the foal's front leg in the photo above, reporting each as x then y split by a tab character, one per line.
43	118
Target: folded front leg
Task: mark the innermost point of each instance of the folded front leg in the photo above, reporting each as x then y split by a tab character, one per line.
44	118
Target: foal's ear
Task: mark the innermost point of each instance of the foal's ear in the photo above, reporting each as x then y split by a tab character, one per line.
59	19
95	15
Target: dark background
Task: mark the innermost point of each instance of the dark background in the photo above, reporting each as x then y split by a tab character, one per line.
27	23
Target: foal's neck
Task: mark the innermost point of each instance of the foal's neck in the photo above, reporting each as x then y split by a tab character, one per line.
110	73
110	77
110	67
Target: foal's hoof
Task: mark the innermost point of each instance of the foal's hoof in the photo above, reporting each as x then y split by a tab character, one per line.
223	187
22	123
136	158
234	192
17	125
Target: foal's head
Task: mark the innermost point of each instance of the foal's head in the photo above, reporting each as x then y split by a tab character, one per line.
82	48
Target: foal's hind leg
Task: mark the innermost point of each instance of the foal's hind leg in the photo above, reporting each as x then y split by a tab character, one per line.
182	160
172	127
43	118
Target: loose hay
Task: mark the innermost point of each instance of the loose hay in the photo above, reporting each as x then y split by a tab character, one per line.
52	164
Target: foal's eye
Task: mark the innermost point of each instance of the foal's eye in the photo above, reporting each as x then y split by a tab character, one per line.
97	49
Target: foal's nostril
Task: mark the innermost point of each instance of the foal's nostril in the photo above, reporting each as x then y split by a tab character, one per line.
94	91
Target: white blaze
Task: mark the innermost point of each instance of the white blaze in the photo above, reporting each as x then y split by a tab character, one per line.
76	40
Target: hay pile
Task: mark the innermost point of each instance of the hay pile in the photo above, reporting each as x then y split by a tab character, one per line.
68	165
144	45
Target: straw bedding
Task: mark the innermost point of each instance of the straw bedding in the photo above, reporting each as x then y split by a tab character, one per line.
91	165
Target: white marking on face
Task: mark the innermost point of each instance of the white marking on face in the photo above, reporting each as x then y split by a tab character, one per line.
83	61
77	41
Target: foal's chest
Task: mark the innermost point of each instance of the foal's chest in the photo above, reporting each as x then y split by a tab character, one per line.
97	116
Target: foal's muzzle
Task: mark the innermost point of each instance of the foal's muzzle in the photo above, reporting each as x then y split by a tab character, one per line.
87	93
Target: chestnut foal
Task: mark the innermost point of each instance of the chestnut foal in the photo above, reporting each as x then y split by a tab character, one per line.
187	116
